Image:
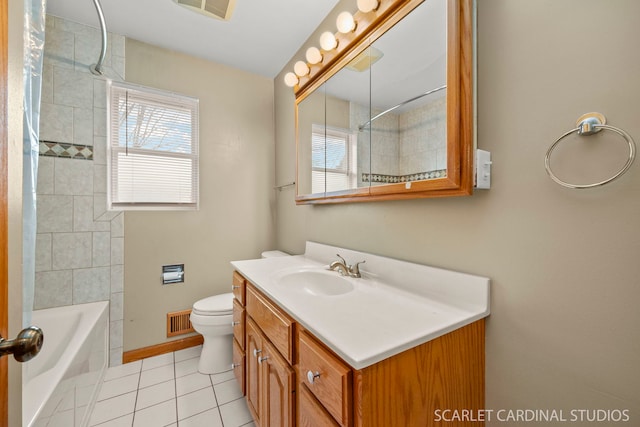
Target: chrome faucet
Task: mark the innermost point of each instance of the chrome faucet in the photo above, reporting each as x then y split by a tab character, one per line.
341	266
354	270
344	269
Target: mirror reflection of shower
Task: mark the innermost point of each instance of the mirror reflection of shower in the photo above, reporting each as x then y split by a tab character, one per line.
97	67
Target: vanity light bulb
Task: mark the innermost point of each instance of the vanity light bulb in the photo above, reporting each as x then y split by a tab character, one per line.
366	6
301	68
345	23
328	41
313	55
290	79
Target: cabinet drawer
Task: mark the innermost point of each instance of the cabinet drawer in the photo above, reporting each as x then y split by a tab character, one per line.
311	413
238	323
238	287
239	360
327	377
274	323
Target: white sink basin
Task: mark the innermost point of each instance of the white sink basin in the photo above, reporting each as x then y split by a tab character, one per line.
315	282
395	306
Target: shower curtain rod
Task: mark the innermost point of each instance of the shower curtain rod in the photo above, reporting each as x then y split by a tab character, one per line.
415	98
97	67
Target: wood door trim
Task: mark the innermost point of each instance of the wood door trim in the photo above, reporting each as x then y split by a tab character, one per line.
4	257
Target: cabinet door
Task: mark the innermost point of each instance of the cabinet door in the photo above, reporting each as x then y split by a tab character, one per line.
254	349
239	367
278	382
310	412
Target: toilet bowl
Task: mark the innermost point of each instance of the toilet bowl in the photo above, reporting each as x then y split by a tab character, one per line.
212	317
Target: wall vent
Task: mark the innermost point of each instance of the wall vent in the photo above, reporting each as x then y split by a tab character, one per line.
219	9
365	59
178	323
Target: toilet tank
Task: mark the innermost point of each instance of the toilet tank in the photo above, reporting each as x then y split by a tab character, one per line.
273	254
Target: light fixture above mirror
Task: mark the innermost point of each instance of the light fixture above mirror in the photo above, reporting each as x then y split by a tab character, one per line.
328	41
290	79
301	68
351	27
313	55
345	23
366	6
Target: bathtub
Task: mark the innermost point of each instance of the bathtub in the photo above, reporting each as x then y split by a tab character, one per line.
60	385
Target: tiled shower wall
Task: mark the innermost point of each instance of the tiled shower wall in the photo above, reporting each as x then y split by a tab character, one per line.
423	137
80	245
402	144
379	147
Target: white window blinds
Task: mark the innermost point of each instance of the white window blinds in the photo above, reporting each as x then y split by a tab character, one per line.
152	149
333	157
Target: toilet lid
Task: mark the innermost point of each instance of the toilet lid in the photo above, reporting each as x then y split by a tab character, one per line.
215	305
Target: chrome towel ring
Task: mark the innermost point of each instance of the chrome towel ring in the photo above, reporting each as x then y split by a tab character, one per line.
589	124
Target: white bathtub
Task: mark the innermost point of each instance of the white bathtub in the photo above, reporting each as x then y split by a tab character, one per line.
60	385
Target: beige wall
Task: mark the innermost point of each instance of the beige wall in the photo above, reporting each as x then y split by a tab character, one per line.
564	329
236	217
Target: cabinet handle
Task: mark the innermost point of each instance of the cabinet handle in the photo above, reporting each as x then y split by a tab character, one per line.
261	359
311	377
235	365
235	323
256	352
235	287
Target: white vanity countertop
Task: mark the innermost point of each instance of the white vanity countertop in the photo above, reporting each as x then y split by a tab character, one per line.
395	306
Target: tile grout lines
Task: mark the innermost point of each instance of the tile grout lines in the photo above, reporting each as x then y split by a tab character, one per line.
180	391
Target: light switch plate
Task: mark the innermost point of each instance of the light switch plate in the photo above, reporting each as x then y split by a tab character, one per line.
483	169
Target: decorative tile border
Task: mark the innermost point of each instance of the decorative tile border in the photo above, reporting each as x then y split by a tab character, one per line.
66	150
392	179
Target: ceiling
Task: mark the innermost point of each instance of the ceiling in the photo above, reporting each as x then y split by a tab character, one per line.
261	36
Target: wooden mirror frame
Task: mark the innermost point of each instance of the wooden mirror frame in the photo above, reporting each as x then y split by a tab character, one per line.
460	101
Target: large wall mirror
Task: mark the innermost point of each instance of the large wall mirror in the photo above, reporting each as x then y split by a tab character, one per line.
391	115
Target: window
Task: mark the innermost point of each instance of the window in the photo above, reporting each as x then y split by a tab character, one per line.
333	157
152	149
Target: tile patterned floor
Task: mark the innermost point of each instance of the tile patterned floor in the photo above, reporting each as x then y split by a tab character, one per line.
168	390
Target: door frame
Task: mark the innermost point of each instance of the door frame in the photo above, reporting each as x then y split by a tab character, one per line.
4	217
11	158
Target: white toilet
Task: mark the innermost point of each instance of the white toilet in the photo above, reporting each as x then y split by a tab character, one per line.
212	317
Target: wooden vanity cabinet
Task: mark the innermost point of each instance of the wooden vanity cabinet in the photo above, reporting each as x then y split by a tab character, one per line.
238	323
311	413
239	288
327	377
270	379
239	320
408	388
278	403
253	378
293	379
270	382
238	365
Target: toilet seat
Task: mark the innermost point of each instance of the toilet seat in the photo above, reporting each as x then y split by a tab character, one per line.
217	305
